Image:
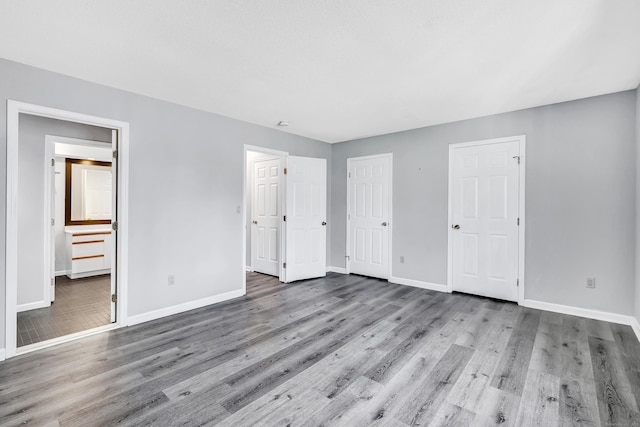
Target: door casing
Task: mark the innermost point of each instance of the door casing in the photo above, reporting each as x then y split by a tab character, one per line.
14	109
390	221
521	208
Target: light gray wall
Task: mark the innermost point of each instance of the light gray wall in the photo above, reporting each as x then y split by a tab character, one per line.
637	224
186	179
580	198
31	152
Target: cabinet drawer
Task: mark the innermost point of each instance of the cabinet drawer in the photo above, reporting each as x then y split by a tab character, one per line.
89	248
87	264
88	236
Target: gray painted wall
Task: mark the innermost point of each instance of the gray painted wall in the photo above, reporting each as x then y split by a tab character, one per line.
31	152
186	180
580	198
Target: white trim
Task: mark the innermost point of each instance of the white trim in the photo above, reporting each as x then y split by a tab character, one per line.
180	308
249	269
66	338
283	155
580	312
419	284
33	305
62	273
49	214
635	325
332	269
390	220
14	109
521	208
2	355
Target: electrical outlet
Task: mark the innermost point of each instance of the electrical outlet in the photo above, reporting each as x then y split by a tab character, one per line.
401	259
172	280
591	282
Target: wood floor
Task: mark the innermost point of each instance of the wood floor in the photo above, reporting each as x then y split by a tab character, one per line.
343	350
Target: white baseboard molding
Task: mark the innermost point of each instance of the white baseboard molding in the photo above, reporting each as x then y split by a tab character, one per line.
62	273
180	308
3	354
418	284
332	269
33	306
249	268
585	312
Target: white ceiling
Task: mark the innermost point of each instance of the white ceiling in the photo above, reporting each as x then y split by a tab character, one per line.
336	69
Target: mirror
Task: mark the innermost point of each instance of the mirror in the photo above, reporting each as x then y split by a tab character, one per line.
88	197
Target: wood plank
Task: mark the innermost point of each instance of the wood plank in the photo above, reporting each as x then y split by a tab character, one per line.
540	400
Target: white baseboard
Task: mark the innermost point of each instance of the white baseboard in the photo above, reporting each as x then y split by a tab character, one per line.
585	312
332	269
3	354
179	308
249	268
635	325
32	306
62	273
418	284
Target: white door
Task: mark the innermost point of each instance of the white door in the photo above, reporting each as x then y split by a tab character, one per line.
485	219
369	215
266	217
114	231
306	211
52	229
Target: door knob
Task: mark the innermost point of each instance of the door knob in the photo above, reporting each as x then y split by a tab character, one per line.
456	227
255	222
324	223
384	224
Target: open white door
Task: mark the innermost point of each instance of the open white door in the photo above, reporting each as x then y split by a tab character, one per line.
306	216
266	216
52	214
114	222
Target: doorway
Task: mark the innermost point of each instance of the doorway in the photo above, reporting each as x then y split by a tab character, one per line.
285	211
76	221
486	218
369	203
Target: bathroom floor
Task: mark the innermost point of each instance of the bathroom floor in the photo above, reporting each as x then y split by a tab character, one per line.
80	304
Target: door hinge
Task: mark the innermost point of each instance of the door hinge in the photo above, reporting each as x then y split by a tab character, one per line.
115	154
349	174
284	265
284	218
518	221
53	221
348	257
517	157
53	162
349	216
518	282
114	225
285	171
114	298
53	281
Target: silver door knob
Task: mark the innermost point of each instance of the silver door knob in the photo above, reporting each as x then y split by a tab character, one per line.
456	227
384	224
324	223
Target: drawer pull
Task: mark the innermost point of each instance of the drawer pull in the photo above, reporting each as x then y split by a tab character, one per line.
88	241
87	257
90	234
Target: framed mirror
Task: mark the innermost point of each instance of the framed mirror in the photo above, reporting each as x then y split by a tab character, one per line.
88	192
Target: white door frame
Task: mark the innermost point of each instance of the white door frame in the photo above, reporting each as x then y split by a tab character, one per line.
282	155
14	109
390	221
521	207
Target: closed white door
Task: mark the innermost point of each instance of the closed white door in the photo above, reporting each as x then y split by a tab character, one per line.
266	217
485	219
306	211
369	215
